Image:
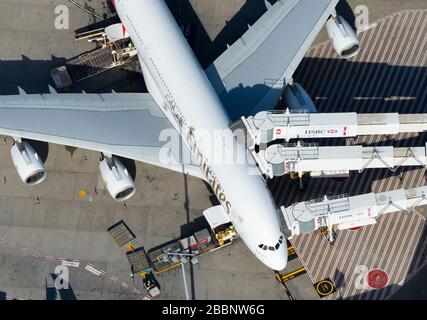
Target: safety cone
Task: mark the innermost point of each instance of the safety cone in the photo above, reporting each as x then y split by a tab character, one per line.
37	200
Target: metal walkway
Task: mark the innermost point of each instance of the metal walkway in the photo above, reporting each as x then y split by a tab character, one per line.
90	64
343	212
389	75
269	126
278	160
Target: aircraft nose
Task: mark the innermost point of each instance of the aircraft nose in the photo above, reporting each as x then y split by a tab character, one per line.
277	261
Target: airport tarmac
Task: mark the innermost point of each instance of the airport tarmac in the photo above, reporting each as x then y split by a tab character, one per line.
34	238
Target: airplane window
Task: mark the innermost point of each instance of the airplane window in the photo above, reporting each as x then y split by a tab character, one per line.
260	246
271	248
277	246
280	241
264	247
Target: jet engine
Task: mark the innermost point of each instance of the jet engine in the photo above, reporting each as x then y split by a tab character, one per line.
343	37
117	179
297	99
27	163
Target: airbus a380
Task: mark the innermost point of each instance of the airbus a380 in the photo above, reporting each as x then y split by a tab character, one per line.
192	100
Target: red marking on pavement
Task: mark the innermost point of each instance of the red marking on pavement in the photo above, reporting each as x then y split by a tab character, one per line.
377	278
355	228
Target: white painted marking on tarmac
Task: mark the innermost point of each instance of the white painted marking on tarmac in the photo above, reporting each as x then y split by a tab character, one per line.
368	27
124	284
113	278
11	244
146	298
71	263
48	257
136	291
36	255
396	98
93	270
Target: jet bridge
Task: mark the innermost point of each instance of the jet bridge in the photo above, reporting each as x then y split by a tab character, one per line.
345	212
281	159
269	126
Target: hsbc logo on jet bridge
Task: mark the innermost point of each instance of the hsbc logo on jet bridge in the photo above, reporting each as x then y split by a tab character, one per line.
326	132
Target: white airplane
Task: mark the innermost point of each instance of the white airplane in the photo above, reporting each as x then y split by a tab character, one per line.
189	100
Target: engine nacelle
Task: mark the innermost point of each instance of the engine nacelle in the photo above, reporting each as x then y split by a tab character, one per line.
27	163
117	179
297	99
343	37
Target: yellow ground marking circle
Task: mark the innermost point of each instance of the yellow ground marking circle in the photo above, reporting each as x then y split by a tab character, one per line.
328	284
82	193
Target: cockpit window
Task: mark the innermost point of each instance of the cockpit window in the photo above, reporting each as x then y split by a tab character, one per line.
271	248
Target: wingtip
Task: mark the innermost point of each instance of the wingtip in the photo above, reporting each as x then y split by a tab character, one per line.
52	90
21	91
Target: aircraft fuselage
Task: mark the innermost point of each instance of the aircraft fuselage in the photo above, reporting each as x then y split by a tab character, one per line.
180	87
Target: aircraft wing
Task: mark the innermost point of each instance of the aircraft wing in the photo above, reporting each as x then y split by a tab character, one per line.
250	75
124	124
